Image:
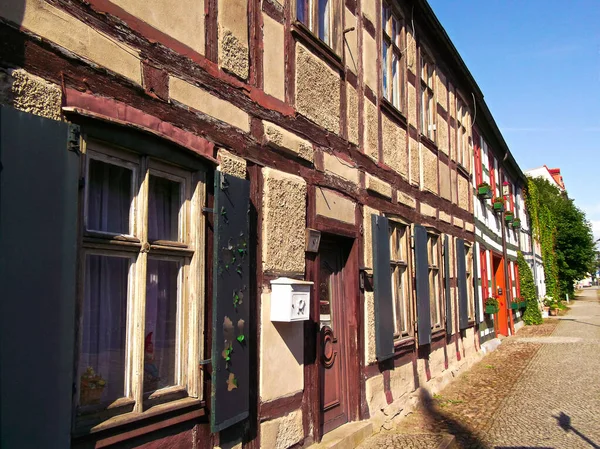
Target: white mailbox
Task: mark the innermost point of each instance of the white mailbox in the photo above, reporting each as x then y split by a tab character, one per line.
290	300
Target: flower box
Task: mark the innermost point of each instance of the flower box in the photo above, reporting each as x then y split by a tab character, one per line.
491	305
515	305
484	191
509	216
516	223
523	304
491	310
498	204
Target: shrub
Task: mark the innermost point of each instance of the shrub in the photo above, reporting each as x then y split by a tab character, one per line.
532	313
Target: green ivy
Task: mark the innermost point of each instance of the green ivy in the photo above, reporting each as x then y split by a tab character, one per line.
532	313
543	227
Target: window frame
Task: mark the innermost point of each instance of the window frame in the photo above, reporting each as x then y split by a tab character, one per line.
428	110
434	273
394	92
188	251
404	324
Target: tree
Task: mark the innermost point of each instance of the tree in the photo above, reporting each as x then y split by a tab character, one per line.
532	313
565	236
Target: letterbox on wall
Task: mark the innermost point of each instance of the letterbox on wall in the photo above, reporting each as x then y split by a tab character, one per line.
290	300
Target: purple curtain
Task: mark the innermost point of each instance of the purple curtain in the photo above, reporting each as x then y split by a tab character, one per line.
109	197
163	209
104	329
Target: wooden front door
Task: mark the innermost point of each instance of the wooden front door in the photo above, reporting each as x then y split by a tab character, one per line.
501	294
333	335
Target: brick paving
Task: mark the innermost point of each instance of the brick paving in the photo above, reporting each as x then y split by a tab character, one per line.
541	389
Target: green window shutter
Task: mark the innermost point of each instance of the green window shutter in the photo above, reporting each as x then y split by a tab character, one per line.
231	303
39	189
382	288
422	284
463	296
447	289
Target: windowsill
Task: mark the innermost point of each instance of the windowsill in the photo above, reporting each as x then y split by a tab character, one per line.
392	110
402	344
438	333
302	32
428	143
132	417
461	169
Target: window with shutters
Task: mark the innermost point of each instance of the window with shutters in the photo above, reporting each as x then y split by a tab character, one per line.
469	270
428	110
392	59
400	276
435	294
142	288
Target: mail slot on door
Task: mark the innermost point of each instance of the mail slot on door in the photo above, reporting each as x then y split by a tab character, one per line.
290	300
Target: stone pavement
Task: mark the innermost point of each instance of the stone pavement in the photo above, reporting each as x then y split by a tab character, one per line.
541	388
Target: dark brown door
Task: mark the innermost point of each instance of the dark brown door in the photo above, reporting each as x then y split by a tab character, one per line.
333	335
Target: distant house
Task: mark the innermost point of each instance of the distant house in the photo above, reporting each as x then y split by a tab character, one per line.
552	175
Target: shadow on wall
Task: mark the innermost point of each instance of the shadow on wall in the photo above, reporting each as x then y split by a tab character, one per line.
12	47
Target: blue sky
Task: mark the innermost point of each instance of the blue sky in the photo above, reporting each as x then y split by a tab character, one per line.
538	65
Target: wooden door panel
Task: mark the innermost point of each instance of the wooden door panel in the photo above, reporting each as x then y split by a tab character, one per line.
333	328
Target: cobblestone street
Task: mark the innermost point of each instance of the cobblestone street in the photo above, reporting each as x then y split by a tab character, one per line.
540	388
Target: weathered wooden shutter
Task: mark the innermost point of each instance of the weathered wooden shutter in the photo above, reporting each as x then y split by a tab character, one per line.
447	288
475	284
463	294
422	284
39	185
382	288
231	302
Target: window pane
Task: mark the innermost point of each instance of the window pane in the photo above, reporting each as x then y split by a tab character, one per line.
385	14
384	70
405	302
395	81
301	11
102	358
324	18
164	204
160	346
432	299
398	298
109	197
325	307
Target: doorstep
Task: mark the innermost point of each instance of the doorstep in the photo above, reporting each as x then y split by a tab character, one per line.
347	436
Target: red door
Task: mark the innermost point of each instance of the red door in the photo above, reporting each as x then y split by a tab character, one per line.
333	333
501	294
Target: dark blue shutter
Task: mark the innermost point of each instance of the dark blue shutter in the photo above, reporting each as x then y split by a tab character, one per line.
474	277
447	289
382	288
231	302
463	294
38	266
422	284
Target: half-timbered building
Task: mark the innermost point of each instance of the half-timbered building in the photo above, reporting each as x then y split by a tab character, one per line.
232	222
